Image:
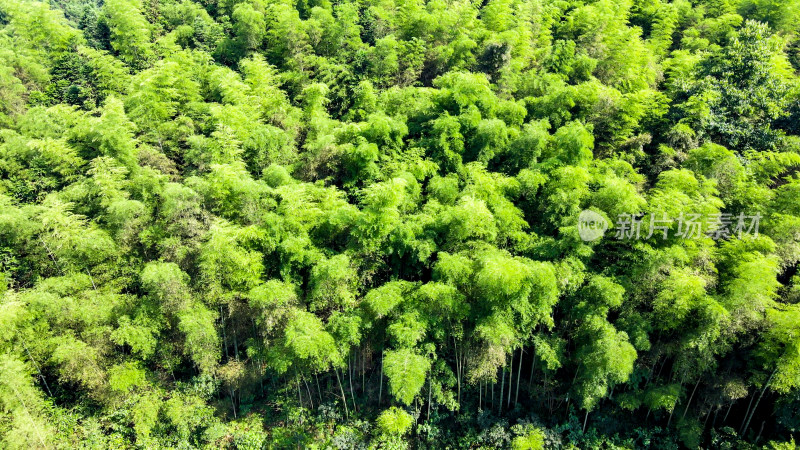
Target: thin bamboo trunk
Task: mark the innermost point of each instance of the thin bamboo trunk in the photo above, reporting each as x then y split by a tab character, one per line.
533	366
458	369
519	375
299	397
352	395
233	402
344	397
319	391
30	416
502	387
761	430
690	399
380	381
510	373
747	411
728	411
585	419
91	279
224	337
744	430
235	345
35	364
430	388
310	397
672	412
363	372
480	392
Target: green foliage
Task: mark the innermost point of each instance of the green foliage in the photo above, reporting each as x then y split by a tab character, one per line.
265	224
406	371
394	421
129	30
306	342
606	359
332	284
201	338
741	91
24	412
534	440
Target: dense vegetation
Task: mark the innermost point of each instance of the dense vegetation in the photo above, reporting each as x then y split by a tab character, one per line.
354	224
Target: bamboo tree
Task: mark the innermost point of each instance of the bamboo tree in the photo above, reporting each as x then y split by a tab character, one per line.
502	386
519	375
380	381
344	397
510	372
749	413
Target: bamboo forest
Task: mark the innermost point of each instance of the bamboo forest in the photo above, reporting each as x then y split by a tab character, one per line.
400	224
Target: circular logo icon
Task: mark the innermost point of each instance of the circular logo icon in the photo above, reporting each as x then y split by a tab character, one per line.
591	225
